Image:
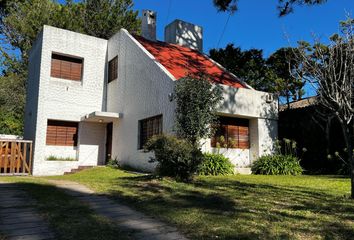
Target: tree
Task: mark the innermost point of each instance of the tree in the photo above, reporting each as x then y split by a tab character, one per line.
331	69
249	65
284	6
22	20
197	101
283	63
271	75
103	18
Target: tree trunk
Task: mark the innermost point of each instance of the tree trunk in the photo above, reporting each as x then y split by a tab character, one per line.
347	132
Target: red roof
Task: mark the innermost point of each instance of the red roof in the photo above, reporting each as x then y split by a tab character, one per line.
182	61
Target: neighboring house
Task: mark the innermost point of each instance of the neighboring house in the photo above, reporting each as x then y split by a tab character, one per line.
320	135
91	99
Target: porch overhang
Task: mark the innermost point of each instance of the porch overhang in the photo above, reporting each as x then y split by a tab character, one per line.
101	117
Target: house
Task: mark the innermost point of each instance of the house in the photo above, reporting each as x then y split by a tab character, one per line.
92	99
320	134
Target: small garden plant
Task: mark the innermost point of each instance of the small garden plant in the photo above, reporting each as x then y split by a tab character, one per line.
55	158
215	164
284	162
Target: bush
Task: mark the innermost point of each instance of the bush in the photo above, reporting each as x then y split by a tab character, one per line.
113	163
176	158
277	164
215	164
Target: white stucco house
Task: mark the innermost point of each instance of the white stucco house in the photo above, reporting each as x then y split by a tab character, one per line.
92	99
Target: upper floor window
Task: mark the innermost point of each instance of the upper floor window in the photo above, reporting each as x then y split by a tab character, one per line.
62	133
231	133
113	69
66	67
148	128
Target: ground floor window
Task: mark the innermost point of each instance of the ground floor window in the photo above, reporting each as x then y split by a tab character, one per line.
62	133
149	127
231	133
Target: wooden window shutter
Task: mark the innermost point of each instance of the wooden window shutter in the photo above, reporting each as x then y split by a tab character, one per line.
61	133
65	67
148	128
235	132
113	69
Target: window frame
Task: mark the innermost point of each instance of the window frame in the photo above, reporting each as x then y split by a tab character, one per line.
235	126
143	140
113	70
69	136
67	59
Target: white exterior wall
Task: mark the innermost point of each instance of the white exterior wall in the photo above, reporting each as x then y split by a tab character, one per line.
263	126
66	100
141	91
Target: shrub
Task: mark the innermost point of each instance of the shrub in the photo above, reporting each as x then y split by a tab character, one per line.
277	164
176	158
215	164
113	163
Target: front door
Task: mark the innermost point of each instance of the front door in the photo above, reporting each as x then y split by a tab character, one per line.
109	134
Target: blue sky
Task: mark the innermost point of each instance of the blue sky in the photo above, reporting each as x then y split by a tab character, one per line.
255	25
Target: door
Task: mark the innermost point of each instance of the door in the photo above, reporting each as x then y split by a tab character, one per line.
109	135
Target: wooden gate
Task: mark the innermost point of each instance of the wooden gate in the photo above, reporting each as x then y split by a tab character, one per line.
15	157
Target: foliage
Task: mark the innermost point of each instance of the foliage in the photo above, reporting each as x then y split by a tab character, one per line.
197	100
284	6
331	69
175	157
113	163
273	74
283	63
20	23
215	164
12	102
283	162
277	164
55	158
104	18
249	65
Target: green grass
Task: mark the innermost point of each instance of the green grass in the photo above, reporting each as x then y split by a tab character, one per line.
236	207
68	217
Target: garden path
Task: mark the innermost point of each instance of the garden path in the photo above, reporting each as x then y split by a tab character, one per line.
137	224
19	219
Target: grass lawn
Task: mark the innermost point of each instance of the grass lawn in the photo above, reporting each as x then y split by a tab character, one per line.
236	207
69	219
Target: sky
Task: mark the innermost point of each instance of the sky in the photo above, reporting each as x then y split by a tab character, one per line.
256	23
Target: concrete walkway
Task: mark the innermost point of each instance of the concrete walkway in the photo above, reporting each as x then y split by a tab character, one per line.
138	225
18	218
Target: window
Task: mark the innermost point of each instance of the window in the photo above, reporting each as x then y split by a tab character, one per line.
65	67
231	133
113	69
61	133
148	128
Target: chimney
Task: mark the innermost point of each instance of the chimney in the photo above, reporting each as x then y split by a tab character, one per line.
184	34
148	28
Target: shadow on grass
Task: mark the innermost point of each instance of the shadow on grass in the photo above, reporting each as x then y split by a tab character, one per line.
229	209
67	217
